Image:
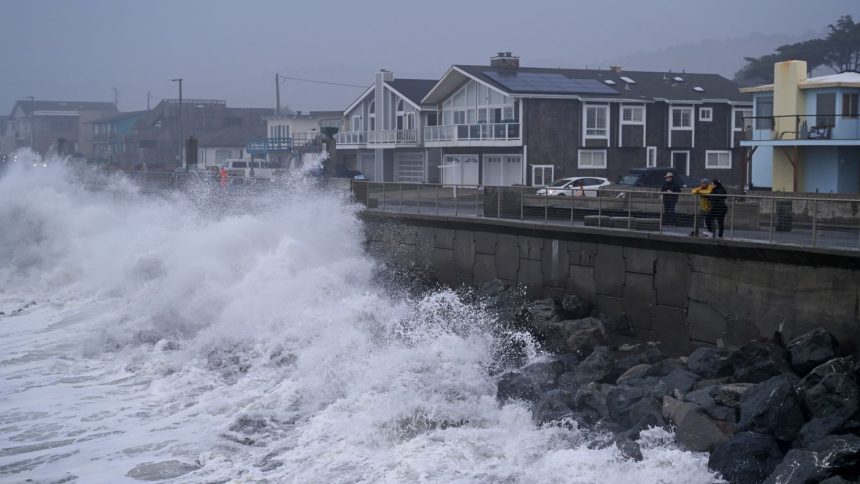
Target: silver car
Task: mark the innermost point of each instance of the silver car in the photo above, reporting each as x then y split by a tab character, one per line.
577	186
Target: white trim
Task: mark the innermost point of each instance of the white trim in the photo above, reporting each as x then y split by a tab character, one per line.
622	107
543	167
672	110
648	151
585	135
401	96
579	154
622	123
702	111
359	100
672	159
718	152
464	73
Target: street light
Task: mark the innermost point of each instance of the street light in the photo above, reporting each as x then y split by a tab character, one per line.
32	124
181	141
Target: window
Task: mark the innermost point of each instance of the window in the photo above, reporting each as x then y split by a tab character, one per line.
850	105
706	114
592	159
596	121
459	117
222	154
356	123
651	156
371	116
825	109
632	115
764	112
743	119
543	175
718	160
682	118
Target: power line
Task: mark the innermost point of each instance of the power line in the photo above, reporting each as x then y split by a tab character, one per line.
313	81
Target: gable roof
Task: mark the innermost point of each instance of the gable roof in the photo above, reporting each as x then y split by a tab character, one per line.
647	86
118	117
412	89
29	107
232	136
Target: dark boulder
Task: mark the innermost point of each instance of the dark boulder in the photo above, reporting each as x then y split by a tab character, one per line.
730	394
772	407
568	361
664	367
799	467
589	402
541	312
757	361
619	324
704	398
816	429
580	336
831	389
544	374
812	349
693	427
553	406
621	401
648	356
841	453
680	380
599	366
574	307
836	480
746	458
710	362
517	386
629	449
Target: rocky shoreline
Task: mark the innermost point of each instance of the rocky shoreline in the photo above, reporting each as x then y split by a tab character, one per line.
768	411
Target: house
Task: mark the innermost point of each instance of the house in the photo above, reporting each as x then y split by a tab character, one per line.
214	148
155	140
7	140
288	133
804	134
383	132
109	136
503	124
58	126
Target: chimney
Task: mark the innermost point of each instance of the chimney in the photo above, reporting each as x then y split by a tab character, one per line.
505	61
615	69
384	75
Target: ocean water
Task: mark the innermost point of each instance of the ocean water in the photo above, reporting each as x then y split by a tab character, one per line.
195	338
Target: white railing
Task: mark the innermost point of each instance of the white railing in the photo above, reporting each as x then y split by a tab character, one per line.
393	136
473	132
351	137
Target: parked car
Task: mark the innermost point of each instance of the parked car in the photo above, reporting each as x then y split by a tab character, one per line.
244	168
652	177
567	187
341	171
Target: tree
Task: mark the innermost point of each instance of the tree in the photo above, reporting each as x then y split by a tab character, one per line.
840	51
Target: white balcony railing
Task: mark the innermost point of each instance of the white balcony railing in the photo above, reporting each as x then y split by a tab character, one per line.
473	132
393	136
351	137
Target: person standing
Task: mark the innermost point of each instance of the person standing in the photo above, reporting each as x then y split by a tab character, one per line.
701	193
222	175
670	192
719	209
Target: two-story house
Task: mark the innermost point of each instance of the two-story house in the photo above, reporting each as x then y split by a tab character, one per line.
287	135
58	126
504	124
804	135
382	136
109	136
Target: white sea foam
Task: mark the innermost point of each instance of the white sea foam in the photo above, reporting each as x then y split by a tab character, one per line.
196	338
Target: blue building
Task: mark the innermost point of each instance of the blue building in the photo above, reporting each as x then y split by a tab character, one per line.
109	135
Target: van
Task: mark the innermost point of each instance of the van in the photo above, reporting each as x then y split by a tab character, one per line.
244	169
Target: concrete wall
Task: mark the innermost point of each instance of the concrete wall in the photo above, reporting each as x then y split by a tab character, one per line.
682	292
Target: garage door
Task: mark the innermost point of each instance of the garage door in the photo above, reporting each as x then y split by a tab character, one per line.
502	170
409	167
459	170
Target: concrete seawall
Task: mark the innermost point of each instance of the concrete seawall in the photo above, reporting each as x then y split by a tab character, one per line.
683	292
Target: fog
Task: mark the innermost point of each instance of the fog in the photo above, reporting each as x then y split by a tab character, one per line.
81	50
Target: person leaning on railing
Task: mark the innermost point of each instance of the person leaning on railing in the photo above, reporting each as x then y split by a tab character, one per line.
670	190
717	215
701	192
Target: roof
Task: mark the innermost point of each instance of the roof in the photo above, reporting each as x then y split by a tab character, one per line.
29	106
307	115
843	79
118	117
232	136
646	86
412	89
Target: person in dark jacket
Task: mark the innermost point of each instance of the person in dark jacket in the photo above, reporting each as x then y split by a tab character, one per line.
718	208
670	190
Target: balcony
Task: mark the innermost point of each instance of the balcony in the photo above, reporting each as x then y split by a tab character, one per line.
354	138
485	134
795	130
393	137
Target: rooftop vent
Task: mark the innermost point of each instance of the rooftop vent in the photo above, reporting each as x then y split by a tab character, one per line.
505	61
628	80
615	69
698	89
678	79
609	82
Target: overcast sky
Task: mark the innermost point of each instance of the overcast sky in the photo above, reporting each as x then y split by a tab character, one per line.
82	49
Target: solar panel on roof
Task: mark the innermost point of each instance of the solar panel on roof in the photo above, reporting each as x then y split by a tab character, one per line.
628	80
610	82
548	83
698	89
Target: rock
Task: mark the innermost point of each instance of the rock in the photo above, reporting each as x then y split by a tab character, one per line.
799	467
637	371
574	307
703	398
710	362
599	366
649	356
517	386
692	427
629	449
811	349
568	361
680	380
620	399
772	407
730	394
841	453
590	402
747	457
836	480
816	429
553	406
664	367
541	312
831	389
544	374
618	325
582	336
757	361
647	412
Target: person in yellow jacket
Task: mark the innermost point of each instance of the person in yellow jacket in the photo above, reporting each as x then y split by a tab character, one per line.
702	191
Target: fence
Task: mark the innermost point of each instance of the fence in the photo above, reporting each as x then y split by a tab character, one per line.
810	222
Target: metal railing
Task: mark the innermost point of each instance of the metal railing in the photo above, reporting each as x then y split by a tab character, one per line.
351	137
473	132
393	136
832	223
802	127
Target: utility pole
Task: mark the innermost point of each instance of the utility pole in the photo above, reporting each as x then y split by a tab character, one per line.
181	139
277	95
116	98
148	95
32	124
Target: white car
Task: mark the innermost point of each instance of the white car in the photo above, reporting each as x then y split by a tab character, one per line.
577	186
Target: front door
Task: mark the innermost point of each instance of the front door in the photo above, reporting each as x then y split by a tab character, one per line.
681	161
